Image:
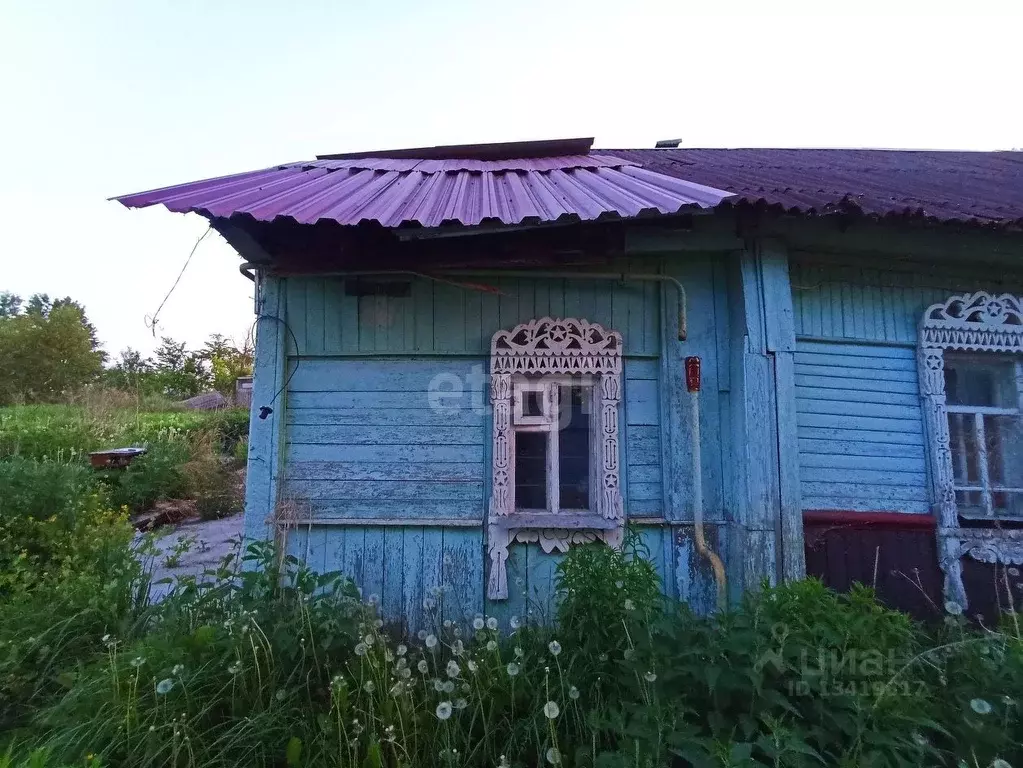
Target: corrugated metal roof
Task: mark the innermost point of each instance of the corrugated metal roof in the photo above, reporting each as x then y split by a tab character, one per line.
427	192
985	187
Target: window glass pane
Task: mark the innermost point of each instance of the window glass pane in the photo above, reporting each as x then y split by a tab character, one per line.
574	449
1004	439
987	381
532	403
531	470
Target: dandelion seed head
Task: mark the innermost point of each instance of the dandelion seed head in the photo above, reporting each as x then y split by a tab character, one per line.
491	645
553	756
447	686
360	649
491	622
422	666
554	647
953	608
573	693
514	622
402	649
551	710
980	706
461	703
629	605
369	686
178	669
650	676
164	686
471	665
438	685
519	653
453	669
629	653
421	634
512	668
443	710
431	641
478	623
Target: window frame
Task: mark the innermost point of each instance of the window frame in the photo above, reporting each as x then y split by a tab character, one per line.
549	353
977	324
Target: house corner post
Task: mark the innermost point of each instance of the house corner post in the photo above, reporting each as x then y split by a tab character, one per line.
267	418
769	540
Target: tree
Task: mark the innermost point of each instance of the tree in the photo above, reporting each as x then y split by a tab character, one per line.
10	304
47	349
227	363
181	374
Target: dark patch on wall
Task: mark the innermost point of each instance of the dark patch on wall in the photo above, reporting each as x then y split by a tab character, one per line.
900	563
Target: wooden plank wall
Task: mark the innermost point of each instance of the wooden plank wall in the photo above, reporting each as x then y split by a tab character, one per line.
393	492
860	425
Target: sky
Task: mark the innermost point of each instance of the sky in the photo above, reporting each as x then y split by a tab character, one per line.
100	99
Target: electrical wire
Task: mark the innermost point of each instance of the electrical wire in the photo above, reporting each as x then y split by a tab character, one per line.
151	319
298	359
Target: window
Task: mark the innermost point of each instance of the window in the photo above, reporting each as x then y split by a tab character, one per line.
971	382
984	420
553	437
555	388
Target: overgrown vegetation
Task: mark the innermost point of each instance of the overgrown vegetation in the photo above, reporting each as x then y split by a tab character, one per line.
243	668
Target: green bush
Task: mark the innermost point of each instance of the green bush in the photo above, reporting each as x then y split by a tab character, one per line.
47	509
155	475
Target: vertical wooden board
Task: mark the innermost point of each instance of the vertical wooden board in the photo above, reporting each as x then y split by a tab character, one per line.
573	299
391	597
650	546
397	339
722	326
297	542
433	565
373	554
556	298
674	415
603	304
423	303
542	578
508	303
350	324
317	549
382	322
367	318
449	301
315	317
793	565
353	556
334	549
526	291
265	438
760	558
462	571
490	309
333	305
476	339
517	603
296	316
412	585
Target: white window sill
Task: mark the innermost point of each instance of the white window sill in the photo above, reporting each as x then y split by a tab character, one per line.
569	520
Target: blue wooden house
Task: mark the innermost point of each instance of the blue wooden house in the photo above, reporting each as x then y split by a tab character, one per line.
765	362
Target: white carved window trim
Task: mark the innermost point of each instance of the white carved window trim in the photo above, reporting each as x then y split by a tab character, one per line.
539	356
971	322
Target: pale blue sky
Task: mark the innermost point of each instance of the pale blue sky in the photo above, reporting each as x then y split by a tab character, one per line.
102	98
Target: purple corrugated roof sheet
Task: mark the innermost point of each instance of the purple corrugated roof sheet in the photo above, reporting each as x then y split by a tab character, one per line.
951	186
563	180
431	192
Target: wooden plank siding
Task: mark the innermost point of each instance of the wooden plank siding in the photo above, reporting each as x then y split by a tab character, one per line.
391	487
860	424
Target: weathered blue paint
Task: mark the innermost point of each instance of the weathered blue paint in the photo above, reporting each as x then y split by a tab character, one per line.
378	484
264	449
861	441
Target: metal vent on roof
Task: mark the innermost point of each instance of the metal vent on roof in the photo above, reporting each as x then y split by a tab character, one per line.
668	144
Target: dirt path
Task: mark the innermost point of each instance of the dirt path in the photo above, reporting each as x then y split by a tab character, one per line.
190	548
